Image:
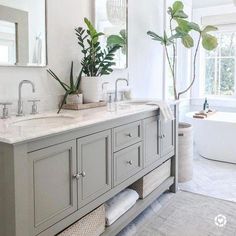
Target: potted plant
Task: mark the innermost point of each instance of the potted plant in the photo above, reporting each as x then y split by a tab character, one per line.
180	29
97	61
72	94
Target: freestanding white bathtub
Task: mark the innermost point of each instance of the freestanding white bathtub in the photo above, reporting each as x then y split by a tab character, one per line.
215	136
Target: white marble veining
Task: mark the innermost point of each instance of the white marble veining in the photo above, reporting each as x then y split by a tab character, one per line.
15	130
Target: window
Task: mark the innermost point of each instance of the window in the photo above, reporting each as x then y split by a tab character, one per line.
220	66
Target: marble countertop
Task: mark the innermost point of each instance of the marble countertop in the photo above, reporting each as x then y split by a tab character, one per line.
21	129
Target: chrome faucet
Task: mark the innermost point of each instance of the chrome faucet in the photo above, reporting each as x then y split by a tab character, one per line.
20	102
116	91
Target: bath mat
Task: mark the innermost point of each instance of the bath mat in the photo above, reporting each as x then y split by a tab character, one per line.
188	214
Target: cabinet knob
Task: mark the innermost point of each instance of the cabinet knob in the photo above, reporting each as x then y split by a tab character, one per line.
162	136
130	162
78	176
130	135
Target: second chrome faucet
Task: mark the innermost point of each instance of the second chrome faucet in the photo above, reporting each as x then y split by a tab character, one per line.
20	111
116	91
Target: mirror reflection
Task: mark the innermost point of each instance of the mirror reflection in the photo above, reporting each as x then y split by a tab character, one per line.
22	33
111	18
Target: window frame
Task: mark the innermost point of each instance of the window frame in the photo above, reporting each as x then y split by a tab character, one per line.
202	66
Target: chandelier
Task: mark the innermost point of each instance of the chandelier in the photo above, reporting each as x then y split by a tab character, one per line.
116	11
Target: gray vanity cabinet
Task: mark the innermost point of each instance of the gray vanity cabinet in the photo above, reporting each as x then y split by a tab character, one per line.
167	137
94	166
53	190
151	140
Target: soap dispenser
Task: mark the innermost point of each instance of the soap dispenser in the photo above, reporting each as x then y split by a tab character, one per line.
206	106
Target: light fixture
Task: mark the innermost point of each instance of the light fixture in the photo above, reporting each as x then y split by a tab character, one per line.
116	11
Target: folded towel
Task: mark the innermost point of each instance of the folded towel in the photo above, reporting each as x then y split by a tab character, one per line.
165	110
120	204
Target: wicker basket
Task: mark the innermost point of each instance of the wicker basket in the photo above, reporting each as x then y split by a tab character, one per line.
185	152
92	224
151	181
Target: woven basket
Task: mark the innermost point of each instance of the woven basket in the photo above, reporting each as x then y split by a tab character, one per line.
153	180
185	152
92	224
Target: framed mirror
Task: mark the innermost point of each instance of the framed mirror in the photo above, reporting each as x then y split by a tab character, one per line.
23	33
111	18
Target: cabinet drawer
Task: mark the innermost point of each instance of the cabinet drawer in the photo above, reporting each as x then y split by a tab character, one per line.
127	135
127	163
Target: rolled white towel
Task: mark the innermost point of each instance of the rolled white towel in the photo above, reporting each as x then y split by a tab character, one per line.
165	109
120	204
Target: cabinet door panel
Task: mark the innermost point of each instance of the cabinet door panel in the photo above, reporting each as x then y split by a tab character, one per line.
54	191
167	133
151	140
94	165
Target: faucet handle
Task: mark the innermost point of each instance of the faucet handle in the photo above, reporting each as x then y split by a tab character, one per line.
34	106
5	111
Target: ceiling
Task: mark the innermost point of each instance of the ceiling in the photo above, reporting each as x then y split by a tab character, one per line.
209	3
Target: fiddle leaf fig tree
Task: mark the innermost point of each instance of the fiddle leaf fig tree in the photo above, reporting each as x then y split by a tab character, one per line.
180	29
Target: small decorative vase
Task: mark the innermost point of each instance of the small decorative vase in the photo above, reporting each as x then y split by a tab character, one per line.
91	88
74	99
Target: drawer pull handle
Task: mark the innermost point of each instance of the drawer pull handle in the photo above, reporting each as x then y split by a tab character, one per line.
130	135
130	162
78	176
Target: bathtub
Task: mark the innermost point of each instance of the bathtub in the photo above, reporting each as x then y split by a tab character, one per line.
215	136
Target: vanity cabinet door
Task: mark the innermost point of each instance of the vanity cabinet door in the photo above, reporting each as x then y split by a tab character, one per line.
167	137
152	141
94	166
52	186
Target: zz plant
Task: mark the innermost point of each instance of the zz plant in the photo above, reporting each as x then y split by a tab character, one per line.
96	60
180	30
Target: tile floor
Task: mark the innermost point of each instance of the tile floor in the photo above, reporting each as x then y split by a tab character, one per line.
212	178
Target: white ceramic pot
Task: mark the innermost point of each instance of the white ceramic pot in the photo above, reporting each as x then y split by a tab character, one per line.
91	88
185	152
74	99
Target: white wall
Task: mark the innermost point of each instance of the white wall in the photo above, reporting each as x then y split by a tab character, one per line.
145	56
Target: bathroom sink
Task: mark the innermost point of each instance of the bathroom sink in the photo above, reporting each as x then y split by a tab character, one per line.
47	121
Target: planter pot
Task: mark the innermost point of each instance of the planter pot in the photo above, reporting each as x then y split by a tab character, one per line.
91	88
74	99
185	152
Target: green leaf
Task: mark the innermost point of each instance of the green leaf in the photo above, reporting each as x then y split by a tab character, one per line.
187	41
209	42
156	37
63	101
90	27
71	75
183	25
209	28
64	86
178	6
177	10
180	14
194	26
123	34
115	39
